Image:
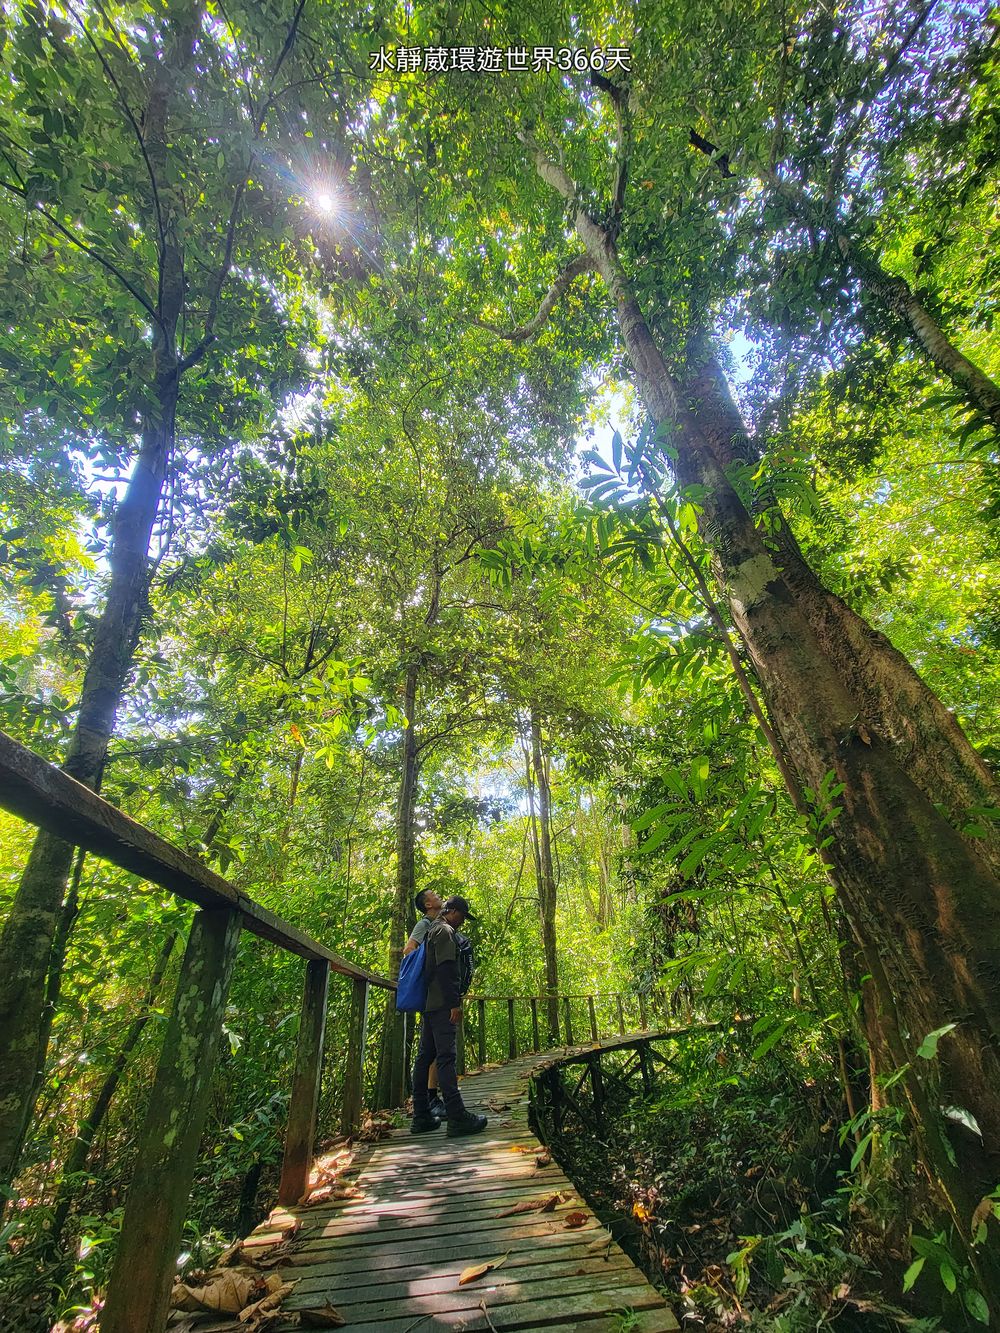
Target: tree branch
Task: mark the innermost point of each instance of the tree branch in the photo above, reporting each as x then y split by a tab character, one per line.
89	250
208	334
524	332
112	79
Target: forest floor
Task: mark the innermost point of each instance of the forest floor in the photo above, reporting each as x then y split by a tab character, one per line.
735	1197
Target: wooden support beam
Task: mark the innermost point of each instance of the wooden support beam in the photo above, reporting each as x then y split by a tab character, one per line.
567	1021
144	1268
646	1068
42	794
301	1129
621	1016
511	1030
536	1044
597	1087
357	1041
481	1013
593	1017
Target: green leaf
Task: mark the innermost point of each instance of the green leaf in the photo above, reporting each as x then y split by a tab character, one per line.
912	1273
976	1305
927	1049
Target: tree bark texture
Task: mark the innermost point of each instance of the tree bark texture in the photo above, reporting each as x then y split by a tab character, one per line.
922	900
26	945
390	1067
546	875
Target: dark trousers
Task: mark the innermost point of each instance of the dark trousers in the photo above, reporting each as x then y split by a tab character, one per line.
438	1041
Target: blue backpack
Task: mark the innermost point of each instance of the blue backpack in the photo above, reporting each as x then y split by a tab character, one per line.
411	985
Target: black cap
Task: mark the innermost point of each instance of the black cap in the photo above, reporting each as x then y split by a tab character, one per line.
462	904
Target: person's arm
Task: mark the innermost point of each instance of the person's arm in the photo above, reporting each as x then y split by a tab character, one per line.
416	935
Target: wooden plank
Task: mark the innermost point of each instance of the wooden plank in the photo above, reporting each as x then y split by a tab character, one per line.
434	1275
348	1256
597	1291
535	1313
357	1044
144	1269
301	1129
43	795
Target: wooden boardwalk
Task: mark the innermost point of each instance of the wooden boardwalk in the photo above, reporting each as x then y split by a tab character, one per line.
431	1207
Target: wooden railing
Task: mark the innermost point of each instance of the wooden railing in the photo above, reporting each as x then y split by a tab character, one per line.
545	1032
139	1290
155	1208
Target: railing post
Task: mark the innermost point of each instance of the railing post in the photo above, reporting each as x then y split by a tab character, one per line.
535	1043
621	1015
511	1030
593	1018
567	1021
643	1016
481	1009
357	1041
139	1290
305	1085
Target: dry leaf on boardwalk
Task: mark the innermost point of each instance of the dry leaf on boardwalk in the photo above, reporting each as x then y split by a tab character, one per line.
322	1316
476	1271
544	1158
267	1305
522	1147
545	1203
603	1242
574	1220
225	1291
324	1193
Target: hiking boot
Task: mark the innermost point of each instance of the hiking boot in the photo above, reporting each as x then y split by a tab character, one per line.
437	1108
423	1122
469	1123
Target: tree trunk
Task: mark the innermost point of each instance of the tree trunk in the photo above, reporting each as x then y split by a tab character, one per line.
922	901
76	1159
546	876
26	945
891	696
389	1090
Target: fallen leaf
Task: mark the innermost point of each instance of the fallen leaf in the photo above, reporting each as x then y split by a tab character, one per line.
322	1316
472	1274
641	1212
225	1292
522	1147
603	1242
984	1210
574	1220
476	1271
544	1158
229	1256
267	1304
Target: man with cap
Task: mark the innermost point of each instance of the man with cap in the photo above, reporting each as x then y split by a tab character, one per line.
439	1026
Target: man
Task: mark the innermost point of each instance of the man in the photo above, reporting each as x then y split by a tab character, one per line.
429	903
439	1026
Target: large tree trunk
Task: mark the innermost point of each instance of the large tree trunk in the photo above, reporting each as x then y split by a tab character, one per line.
546	876
26	945
390	1083
890	694
923	902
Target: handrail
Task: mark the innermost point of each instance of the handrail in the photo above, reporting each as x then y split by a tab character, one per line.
42	794
139	1290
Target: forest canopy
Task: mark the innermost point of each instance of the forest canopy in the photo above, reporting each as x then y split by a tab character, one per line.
544	453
